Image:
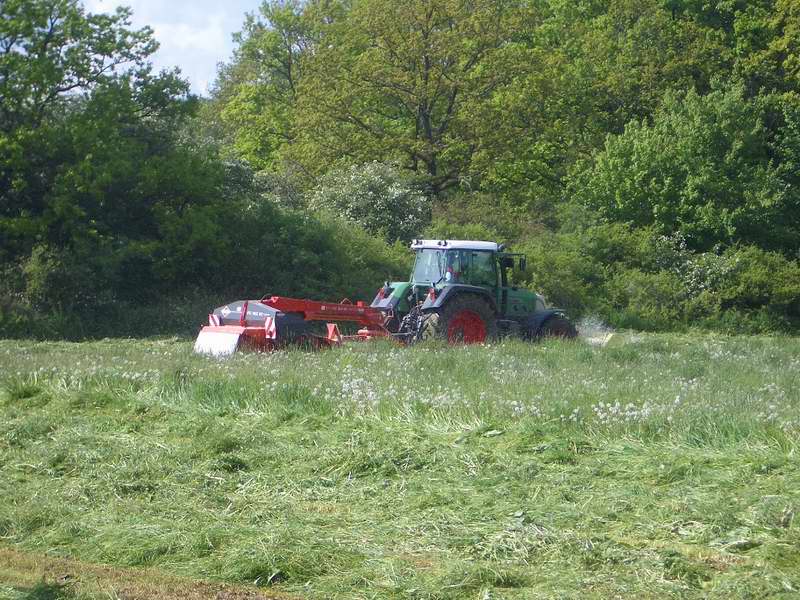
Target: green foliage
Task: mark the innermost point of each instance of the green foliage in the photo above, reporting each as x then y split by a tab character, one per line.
52	47
255	95
398	82
109	208
77	123
644	280
478	216
645	154
377	197
336	259
57	280
560	270
89	167
584	70
647	300
762	282
705	168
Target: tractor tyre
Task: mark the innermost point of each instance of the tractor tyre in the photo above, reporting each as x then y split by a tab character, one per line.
466	319
558	327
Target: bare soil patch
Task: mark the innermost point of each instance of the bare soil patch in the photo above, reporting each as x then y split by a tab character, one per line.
26	571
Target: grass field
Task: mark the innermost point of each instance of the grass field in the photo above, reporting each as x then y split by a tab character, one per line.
660	466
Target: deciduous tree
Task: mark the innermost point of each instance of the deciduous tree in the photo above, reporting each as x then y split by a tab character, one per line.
396	80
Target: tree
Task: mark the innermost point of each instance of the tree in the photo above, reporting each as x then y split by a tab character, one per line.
92	177
768	47
255	94
709	167
60	70
52	48
394	81
585	70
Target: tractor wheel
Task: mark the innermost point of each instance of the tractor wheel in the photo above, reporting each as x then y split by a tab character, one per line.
558	327
466	319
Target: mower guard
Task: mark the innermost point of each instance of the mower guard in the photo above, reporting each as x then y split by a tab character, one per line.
223	340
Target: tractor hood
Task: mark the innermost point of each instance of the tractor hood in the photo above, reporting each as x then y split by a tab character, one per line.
392	296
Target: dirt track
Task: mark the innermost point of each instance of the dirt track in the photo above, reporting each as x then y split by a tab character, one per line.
26	572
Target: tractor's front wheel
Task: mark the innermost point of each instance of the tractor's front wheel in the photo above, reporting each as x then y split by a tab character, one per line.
465	319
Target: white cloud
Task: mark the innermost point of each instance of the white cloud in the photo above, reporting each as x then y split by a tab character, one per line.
208	38
194	35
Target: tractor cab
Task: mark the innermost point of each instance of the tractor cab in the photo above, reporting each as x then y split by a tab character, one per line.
456	263
477	264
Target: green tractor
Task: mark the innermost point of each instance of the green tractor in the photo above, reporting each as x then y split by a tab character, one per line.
460	292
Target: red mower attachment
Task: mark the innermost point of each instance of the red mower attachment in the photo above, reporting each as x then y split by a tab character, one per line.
277	322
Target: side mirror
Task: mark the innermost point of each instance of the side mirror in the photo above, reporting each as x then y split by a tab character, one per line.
523	263
507	262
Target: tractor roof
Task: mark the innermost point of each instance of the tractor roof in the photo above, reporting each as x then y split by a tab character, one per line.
454	245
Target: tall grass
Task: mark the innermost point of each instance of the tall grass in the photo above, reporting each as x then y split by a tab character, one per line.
660	466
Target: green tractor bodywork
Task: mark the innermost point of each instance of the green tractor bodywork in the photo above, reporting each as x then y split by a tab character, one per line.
460	291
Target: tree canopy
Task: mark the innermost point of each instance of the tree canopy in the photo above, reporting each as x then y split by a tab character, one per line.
705	168
645	154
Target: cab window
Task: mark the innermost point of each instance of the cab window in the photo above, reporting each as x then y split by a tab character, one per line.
457	267
483	271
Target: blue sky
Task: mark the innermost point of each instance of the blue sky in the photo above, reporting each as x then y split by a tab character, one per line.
194	35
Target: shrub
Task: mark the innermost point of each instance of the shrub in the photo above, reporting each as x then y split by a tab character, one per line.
762	288
654	301
560	269
639	278
62	279
481	216
375	196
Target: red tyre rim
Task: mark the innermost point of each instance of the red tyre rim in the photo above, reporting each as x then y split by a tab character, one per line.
466	327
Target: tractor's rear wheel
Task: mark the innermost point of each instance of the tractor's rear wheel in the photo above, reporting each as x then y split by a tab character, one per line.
558	327
466	319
